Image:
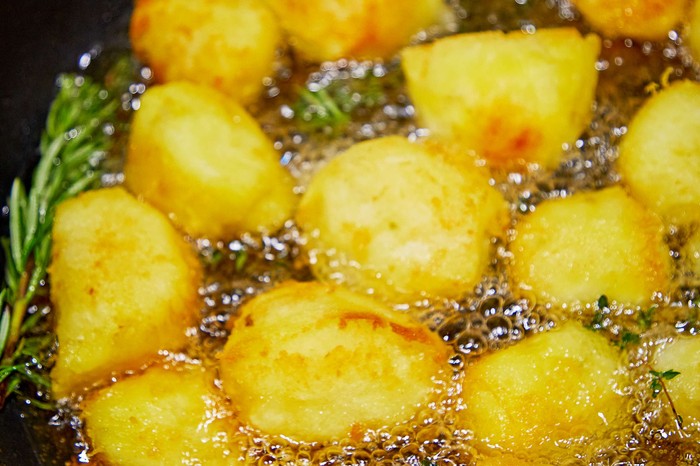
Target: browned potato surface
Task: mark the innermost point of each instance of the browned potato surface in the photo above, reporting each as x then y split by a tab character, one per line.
660	154
124	286
575	249
162	417
694	30
638	19
403	219
332	29
315	362
554	387
513	98
203	160
226	44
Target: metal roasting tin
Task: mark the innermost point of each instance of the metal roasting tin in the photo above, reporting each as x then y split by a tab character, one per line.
42	39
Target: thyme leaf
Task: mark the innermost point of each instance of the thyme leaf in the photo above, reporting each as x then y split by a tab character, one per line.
645	318
241	260
598	320
628	338
72	147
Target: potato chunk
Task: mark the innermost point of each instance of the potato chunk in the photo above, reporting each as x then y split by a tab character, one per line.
163	416
577	248
681	355
403	219
660	154
313	362
226	44
638	19
200	158
331	29
124	286
694	31
513	98
558	386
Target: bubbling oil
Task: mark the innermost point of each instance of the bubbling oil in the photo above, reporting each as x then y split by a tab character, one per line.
491	316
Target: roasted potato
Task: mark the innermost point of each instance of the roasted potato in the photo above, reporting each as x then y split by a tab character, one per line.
315	362
513	98
165	416
638	19
681	355
694	31
200	158
124	286
368	29
660	154
552	388
226	44
403	219
575	249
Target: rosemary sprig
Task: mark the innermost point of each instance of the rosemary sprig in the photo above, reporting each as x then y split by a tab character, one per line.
330	108
72	147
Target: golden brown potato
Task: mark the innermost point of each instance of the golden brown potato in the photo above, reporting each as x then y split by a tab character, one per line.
403	219
575	249
162	417
681	355
332	29
660	154
513	98
558	386
694	31
314	362
124	286
200	158
226	44
638	19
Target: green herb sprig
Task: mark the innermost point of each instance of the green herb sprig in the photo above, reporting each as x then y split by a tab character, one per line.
658	386
329	108
602	309
72	147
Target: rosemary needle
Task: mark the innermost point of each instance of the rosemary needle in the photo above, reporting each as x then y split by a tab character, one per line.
72	147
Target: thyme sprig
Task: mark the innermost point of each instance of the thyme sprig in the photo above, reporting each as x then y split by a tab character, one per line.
658	386
72	147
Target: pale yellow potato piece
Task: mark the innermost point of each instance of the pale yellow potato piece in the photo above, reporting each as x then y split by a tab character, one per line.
513	98
199	157
403	219
331	29
226	44
162	417
660	154
575	249
315	362
123	284
638	19
558	386
693	34
681	355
